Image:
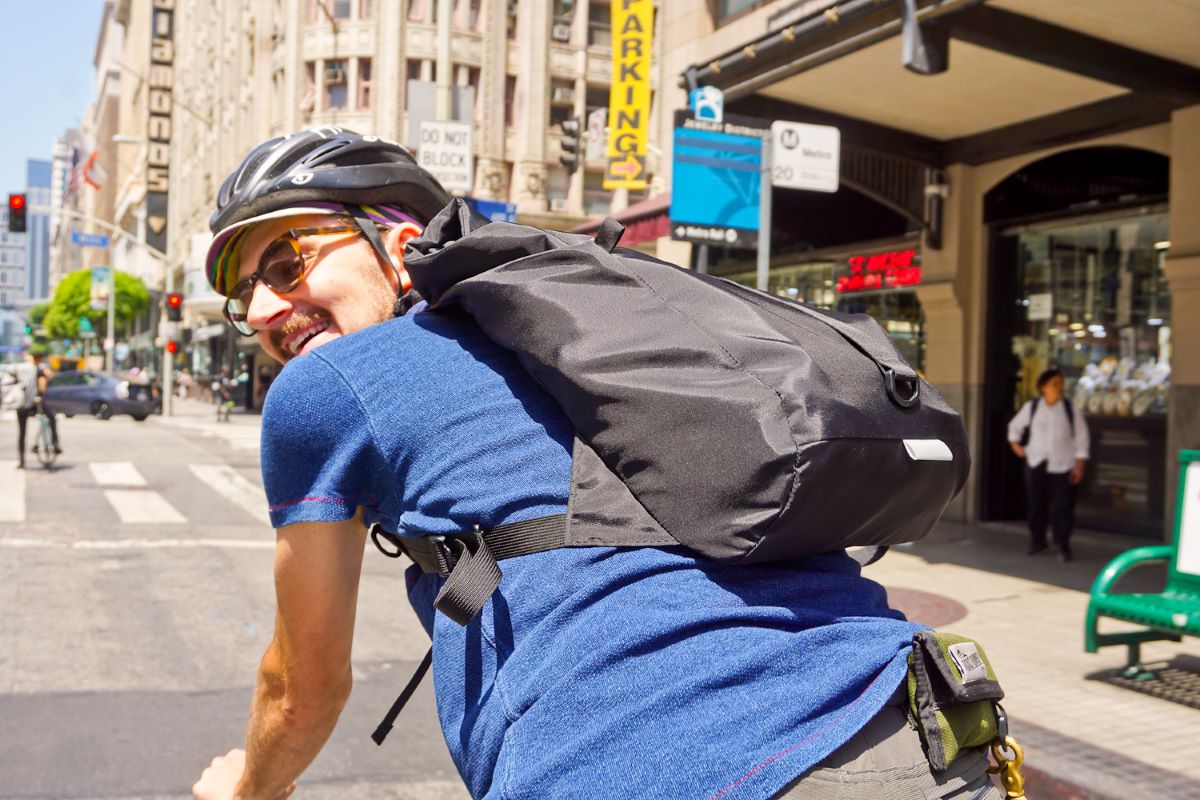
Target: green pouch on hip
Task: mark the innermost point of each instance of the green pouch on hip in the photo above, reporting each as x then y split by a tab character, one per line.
952	692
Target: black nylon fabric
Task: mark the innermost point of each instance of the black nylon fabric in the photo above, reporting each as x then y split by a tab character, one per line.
745	427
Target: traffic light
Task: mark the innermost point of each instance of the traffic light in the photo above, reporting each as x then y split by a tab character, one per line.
571	129
16	213
172	346
174	307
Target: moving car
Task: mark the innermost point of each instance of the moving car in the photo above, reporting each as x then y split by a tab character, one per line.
99	394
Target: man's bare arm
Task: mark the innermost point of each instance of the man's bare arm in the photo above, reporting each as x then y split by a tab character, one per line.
304	677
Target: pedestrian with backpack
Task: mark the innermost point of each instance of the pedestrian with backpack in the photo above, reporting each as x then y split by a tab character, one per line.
580	649
1052	438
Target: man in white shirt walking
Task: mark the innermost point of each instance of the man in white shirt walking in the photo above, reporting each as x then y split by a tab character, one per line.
1052	437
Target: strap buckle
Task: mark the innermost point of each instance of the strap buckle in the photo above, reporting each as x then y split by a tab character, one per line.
447	550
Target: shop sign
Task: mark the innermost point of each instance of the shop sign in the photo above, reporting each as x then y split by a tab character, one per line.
160	83
100	289
629	96
891	270
1041	307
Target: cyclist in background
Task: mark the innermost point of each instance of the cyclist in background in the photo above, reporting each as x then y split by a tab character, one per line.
222	389
34	377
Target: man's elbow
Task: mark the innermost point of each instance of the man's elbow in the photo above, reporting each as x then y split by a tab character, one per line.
307	700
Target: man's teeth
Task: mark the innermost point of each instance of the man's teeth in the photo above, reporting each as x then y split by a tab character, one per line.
300	340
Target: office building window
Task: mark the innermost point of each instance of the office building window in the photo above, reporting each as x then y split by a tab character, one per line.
309	101
730	8
510	100
364	83
416	10
599	24
335	85
366	9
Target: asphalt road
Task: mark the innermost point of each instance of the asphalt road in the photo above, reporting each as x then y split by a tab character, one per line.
135	602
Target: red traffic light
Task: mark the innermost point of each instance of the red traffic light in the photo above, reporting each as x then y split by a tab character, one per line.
172	347
16	201
174	300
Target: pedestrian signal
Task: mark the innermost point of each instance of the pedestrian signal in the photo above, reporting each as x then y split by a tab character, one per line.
571	129
174	307
16	213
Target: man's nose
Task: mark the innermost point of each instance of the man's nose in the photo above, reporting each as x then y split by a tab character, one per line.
267	309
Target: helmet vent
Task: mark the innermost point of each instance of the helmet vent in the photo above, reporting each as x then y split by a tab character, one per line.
324	152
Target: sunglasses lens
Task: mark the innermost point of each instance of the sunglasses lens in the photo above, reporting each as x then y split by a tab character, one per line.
236	310
281	266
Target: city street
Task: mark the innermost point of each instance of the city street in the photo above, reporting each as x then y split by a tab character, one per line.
135	585
135	601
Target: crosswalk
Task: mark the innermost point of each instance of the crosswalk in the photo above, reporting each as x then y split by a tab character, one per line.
134	500
237	436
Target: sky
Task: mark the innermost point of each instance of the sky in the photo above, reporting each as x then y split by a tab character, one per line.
48	77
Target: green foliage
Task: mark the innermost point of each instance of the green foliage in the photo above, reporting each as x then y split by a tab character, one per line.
72	300
38	313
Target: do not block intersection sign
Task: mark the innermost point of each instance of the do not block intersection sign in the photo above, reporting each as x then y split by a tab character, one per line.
447	151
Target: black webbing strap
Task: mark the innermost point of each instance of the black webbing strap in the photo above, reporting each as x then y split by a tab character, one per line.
468	562
385	727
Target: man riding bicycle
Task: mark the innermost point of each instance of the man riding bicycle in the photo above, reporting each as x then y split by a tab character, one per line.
592	672
34	377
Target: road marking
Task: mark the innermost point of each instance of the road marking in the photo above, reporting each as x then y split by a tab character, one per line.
137	544
140	505
116	473
229	483
12	492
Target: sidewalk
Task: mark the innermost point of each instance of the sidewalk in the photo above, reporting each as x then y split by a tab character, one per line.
1082	738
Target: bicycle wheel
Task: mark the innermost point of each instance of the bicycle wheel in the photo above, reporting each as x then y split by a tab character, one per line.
45	443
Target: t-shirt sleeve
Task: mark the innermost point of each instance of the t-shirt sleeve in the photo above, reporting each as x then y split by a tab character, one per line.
320	459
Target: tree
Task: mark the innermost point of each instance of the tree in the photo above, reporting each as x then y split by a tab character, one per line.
72	300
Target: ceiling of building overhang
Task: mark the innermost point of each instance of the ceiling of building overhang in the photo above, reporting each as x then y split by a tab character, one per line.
982	90
1166	28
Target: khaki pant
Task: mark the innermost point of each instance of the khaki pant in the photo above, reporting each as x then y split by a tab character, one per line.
885	761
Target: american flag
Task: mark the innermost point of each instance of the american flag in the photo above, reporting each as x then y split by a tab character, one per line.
87	171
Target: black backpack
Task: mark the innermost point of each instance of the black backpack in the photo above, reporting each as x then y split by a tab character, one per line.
742	426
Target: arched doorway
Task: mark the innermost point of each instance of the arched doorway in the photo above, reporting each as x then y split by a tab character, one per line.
1076	282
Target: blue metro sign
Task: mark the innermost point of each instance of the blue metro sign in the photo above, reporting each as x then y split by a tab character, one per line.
715	187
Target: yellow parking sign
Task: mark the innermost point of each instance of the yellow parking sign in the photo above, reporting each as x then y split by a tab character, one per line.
629	97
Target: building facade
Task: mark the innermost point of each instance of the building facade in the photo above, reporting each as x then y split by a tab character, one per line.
245	70
1016	193
38	191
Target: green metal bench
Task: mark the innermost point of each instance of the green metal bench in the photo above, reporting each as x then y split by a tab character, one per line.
1173	612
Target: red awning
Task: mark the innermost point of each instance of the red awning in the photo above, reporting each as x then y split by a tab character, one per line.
644	221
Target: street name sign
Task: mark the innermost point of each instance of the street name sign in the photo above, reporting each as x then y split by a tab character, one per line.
447	151
89	239
716	180
805	156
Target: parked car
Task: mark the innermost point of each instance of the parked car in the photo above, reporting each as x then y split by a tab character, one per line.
99	394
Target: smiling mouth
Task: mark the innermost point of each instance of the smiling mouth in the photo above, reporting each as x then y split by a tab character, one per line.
302	338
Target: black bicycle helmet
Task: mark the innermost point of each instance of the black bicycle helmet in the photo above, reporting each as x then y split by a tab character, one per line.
329	164
317	171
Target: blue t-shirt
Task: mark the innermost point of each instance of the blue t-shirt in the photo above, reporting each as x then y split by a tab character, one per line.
593	672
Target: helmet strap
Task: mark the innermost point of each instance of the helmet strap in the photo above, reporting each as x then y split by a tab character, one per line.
369	230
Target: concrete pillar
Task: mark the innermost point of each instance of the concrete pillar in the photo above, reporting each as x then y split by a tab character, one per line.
1183	277
950	308
532	111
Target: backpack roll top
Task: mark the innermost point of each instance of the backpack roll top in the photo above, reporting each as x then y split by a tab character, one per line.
748	427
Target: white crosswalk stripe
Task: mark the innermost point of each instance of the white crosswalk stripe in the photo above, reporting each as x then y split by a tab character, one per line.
142	506
229	483
116	473
12	492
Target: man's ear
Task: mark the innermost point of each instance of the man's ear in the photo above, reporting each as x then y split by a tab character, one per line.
395	240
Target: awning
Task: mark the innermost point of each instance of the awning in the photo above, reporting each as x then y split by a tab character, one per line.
644	221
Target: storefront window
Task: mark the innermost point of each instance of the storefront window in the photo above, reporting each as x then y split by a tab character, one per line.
898	311
1093	302
1097	306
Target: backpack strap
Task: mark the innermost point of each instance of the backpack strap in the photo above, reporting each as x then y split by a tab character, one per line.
468	563
468	560
1070	415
